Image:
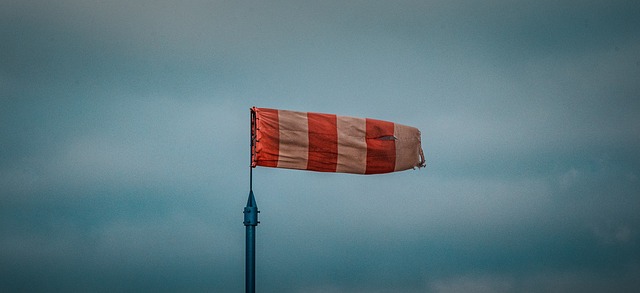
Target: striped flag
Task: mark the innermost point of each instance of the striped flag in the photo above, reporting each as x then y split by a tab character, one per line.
332	143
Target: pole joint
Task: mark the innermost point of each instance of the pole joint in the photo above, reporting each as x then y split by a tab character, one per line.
251	211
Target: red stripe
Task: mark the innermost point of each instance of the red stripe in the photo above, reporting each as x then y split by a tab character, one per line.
268	137
381	147
323	142
254	161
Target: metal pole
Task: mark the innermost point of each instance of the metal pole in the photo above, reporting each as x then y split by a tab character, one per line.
250	222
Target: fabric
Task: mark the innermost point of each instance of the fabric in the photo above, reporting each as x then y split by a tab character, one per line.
331	143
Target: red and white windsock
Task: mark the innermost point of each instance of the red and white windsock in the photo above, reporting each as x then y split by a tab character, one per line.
332	143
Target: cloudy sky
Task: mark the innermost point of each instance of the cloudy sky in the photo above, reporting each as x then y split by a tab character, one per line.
124	145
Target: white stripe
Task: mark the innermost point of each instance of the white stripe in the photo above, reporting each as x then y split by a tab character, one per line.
407	147
294	139
352	145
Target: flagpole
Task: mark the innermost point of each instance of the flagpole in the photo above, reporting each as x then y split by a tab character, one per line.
250	223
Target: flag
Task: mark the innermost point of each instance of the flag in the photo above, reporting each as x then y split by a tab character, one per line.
332	143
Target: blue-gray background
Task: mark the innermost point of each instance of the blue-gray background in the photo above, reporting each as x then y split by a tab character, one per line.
124	131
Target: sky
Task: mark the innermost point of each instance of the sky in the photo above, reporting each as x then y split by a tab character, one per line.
124	145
